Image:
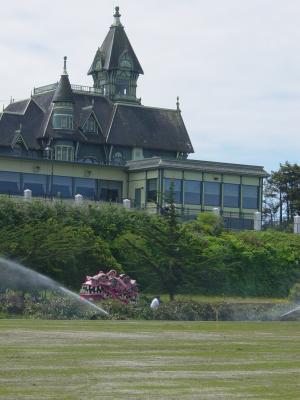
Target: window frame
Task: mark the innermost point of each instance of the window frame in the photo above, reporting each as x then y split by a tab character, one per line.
238	186
66	121
205	194
187	193
60	150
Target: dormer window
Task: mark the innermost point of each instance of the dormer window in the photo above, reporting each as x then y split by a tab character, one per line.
63	121
91	126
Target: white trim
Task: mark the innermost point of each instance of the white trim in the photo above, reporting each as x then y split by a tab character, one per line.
111	122
47	123
18	137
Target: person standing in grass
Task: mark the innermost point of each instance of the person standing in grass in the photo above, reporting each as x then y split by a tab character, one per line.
155	302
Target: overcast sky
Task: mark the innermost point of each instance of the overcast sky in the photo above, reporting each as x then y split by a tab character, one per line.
234	63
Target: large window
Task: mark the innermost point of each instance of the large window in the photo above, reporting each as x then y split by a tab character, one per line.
250	196
231	196
64	153
85	187
172	189
212	194
152	190
192	192
63	121
9	182
62	187
110	191
36	183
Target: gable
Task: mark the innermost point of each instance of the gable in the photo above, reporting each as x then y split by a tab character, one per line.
91	125
18	139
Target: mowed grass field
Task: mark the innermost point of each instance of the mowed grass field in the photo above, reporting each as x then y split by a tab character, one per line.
149	360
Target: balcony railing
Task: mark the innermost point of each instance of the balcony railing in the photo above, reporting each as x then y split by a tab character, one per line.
86	89
75	88
44	89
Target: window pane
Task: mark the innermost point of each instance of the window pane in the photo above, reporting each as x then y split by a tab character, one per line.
85	187
62	121
152	190
231	197
250	196
176	186
212	193
58	155
192	192
65	154
110	191
36	183
9	183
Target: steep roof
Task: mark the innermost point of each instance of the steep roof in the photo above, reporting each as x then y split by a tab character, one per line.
28	124
147	127
63	92
120	124
115	44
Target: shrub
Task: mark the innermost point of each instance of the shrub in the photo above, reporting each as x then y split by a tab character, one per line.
294	294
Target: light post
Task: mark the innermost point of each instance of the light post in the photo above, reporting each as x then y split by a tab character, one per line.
49	152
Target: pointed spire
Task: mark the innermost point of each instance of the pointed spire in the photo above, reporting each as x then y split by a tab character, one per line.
64	91
65	72
178	104
117	17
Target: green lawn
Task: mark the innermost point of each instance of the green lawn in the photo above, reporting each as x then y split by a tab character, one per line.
149	360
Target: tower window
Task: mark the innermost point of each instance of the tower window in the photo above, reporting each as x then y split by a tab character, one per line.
122	83
63	121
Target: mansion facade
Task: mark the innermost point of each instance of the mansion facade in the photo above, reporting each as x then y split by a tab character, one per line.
102	143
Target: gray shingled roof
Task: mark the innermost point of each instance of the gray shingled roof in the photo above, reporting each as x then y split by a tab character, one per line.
147	127
63	92
115	43
18	107
120	124
30	122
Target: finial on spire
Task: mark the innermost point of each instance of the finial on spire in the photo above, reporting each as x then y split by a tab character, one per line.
117	14
178	104
117	17
65	66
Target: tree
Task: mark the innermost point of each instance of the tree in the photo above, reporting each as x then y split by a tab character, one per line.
166	253
64	253
282	191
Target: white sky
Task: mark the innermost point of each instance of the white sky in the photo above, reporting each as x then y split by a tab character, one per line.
234	63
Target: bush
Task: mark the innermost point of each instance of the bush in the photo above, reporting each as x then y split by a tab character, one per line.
294	294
